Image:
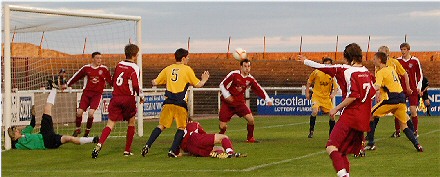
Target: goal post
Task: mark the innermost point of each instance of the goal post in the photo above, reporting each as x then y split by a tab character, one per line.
38	42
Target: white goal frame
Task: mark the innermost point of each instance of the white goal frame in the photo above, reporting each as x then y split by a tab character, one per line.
7	105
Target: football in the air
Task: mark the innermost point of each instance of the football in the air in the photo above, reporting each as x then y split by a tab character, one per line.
239	54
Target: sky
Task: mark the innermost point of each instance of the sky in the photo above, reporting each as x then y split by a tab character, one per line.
167	25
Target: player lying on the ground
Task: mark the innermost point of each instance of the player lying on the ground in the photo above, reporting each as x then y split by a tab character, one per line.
46	138
197	142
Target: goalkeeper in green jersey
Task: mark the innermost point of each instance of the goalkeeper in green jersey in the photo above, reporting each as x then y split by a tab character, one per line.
46	138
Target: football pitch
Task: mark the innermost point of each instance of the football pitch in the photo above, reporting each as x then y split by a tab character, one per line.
284	150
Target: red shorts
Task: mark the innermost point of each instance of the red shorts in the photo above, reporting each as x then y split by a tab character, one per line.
122	108
200	144
413	99
227	111
346	139
91	99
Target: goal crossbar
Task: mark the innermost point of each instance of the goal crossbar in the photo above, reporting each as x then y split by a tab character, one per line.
7	85
71	13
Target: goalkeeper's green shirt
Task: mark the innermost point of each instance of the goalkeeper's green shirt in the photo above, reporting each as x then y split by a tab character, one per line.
30	141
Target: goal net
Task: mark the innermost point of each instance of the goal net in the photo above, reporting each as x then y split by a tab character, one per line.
39	43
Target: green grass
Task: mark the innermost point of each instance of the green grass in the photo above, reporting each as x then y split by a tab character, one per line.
284	150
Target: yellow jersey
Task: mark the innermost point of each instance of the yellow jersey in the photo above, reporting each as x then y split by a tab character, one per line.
323	84
388	81
177	77
396	66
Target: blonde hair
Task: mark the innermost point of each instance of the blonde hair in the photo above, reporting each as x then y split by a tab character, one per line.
11	133
384	49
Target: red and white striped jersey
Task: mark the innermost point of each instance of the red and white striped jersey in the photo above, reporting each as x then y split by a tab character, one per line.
336	71
235	84
191	128
94	78
126	79
360	85
355	82
414	70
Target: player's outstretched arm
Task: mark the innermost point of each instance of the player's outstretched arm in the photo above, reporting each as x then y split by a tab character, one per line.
205	77
341	105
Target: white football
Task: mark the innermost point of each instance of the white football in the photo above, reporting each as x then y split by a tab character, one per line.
239	54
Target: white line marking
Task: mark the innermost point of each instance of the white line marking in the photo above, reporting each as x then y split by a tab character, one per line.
304	156
282	161
253	168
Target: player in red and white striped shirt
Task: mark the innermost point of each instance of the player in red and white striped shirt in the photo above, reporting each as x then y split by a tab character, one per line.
233	100
95	75
356	83
199	143
122	106
412	66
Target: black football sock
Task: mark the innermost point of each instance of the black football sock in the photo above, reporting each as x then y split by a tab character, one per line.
410	135
370	134
177	140
427	110
410	125
312	123
331	123
154	134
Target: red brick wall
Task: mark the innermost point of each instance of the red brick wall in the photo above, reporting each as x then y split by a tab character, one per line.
276	69
273	69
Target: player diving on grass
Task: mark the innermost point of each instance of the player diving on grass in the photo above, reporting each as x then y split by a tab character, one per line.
197	142
47	138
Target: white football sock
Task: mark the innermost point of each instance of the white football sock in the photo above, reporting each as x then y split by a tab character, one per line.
84	140
51	97
229	150
342	173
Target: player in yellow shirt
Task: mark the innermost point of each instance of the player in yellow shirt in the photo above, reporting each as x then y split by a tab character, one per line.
324	90
392	62
392	101
177	77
